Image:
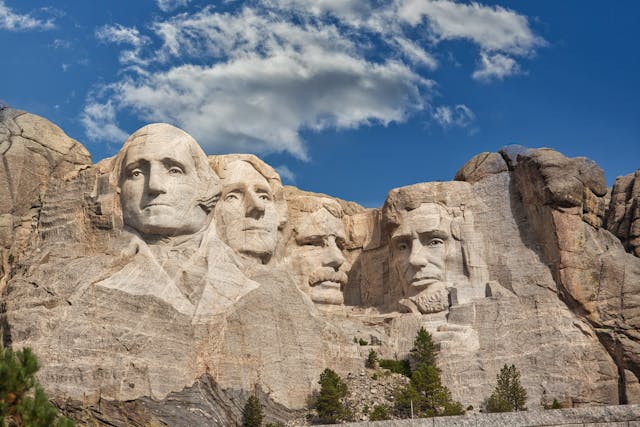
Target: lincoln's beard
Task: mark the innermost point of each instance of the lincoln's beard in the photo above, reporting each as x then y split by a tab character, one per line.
432	300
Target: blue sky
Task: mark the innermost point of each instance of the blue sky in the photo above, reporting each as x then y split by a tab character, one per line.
347	97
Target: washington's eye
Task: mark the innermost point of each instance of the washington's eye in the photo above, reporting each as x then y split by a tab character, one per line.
135	173
175	171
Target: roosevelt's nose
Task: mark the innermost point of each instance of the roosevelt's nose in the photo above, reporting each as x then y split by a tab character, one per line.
254	205
156	181
333	256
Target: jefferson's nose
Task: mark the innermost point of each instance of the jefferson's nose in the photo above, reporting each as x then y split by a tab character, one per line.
254	205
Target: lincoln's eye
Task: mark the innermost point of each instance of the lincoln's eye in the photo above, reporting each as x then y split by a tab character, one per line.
175	171
435	242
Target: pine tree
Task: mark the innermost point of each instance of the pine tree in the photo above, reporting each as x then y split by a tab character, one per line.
17	378
509	395
252	414
330	404
426	393
372	359
424	351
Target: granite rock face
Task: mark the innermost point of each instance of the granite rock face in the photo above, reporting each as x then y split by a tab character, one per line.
162	286
34	152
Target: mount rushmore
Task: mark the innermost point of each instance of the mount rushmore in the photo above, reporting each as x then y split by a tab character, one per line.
165	285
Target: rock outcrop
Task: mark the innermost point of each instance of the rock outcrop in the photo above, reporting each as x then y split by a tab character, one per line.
164	287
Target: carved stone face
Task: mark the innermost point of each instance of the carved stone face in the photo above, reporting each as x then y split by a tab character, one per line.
160	188
246	216
317	259
419	247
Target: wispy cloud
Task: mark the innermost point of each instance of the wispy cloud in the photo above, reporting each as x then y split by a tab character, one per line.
495	67
12	21
254	77
99	122
286	174
171	5
453	116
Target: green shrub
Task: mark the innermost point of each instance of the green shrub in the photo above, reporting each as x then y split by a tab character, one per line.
379	413
556	404
372	359
402	367
362	342
17	380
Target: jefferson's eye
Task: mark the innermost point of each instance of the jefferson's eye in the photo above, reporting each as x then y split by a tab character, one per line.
231	197
175	171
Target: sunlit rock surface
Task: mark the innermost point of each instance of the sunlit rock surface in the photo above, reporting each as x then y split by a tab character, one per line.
164	286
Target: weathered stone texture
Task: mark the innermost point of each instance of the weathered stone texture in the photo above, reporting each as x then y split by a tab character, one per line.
623	218
161	286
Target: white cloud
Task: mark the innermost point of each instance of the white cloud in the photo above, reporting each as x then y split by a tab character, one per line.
495	67
286	174
416	54
456	116
255	77
170	5
120	34
99	122
492	28
9	20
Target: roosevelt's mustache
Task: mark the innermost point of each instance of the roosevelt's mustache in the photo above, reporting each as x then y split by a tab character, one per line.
327	274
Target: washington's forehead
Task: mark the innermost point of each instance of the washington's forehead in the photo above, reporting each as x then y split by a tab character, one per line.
241	171
150	149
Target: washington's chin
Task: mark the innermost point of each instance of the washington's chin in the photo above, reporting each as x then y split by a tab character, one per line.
327	292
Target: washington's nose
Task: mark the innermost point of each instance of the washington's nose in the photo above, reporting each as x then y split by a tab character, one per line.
333	257
254	205
156	182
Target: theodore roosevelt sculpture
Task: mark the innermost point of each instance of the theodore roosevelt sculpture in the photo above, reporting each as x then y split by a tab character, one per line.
167	193
315	248
251	210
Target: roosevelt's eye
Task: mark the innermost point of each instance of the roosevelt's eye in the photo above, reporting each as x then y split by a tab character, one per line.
175	170
264	197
